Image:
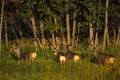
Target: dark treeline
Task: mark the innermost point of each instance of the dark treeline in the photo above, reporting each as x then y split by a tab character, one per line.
65	22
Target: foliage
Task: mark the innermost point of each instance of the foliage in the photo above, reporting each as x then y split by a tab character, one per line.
18	13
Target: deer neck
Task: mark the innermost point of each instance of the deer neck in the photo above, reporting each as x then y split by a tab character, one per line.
96	54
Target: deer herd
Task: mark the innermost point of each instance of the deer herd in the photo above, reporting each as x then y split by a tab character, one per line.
63	57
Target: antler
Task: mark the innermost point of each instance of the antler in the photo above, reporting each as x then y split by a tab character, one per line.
54	45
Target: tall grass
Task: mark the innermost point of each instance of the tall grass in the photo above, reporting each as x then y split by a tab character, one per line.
46	68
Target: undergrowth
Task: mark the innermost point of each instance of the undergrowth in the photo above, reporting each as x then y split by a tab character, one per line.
46	68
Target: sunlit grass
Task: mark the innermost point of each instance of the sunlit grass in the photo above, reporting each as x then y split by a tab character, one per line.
46	68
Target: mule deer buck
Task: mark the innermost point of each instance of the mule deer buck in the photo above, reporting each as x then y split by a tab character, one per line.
59	56
102	58
26	56
71	55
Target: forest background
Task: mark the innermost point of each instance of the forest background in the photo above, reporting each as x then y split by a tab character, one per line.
70	24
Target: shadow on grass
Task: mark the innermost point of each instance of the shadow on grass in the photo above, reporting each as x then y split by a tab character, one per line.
89	57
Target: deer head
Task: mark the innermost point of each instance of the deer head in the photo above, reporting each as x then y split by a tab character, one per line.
95	48
54	47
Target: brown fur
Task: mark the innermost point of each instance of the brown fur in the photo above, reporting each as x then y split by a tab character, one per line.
28	56
60	56
72	56
102	58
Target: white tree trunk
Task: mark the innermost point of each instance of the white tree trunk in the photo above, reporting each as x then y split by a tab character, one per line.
106	35
74	28
91	29
118	38
35	32
6	34
56	31
114	37
42	34
1	24
68	29
96	39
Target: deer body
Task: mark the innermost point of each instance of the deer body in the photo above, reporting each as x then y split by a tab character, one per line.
102	58
72	56
28	56
60	56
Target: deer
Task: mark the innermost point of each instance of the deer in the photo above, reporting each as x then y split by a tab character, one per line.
59	56
71	55
102	58
26	56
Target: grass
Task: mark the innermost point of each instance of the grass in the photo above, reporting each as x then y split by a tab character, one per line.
46	68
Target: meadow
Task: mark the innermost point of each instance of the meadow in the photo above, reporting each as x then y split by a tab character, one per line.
46	68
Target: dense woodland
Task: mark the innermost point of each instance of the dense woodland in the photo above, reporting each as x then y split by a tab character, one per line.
60	22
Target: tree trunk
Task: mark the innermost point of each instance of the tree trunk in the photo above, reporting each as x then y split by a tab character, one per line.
91	34
1	24
96	38
56	31
77	36
74	28
35	32
96	35
68	29
64	43
6	34
114	35
15	33
106	35
118	38
42	34
53	40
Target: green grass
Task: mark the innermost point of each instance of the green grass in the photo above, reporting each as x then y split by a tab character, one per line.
46	68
